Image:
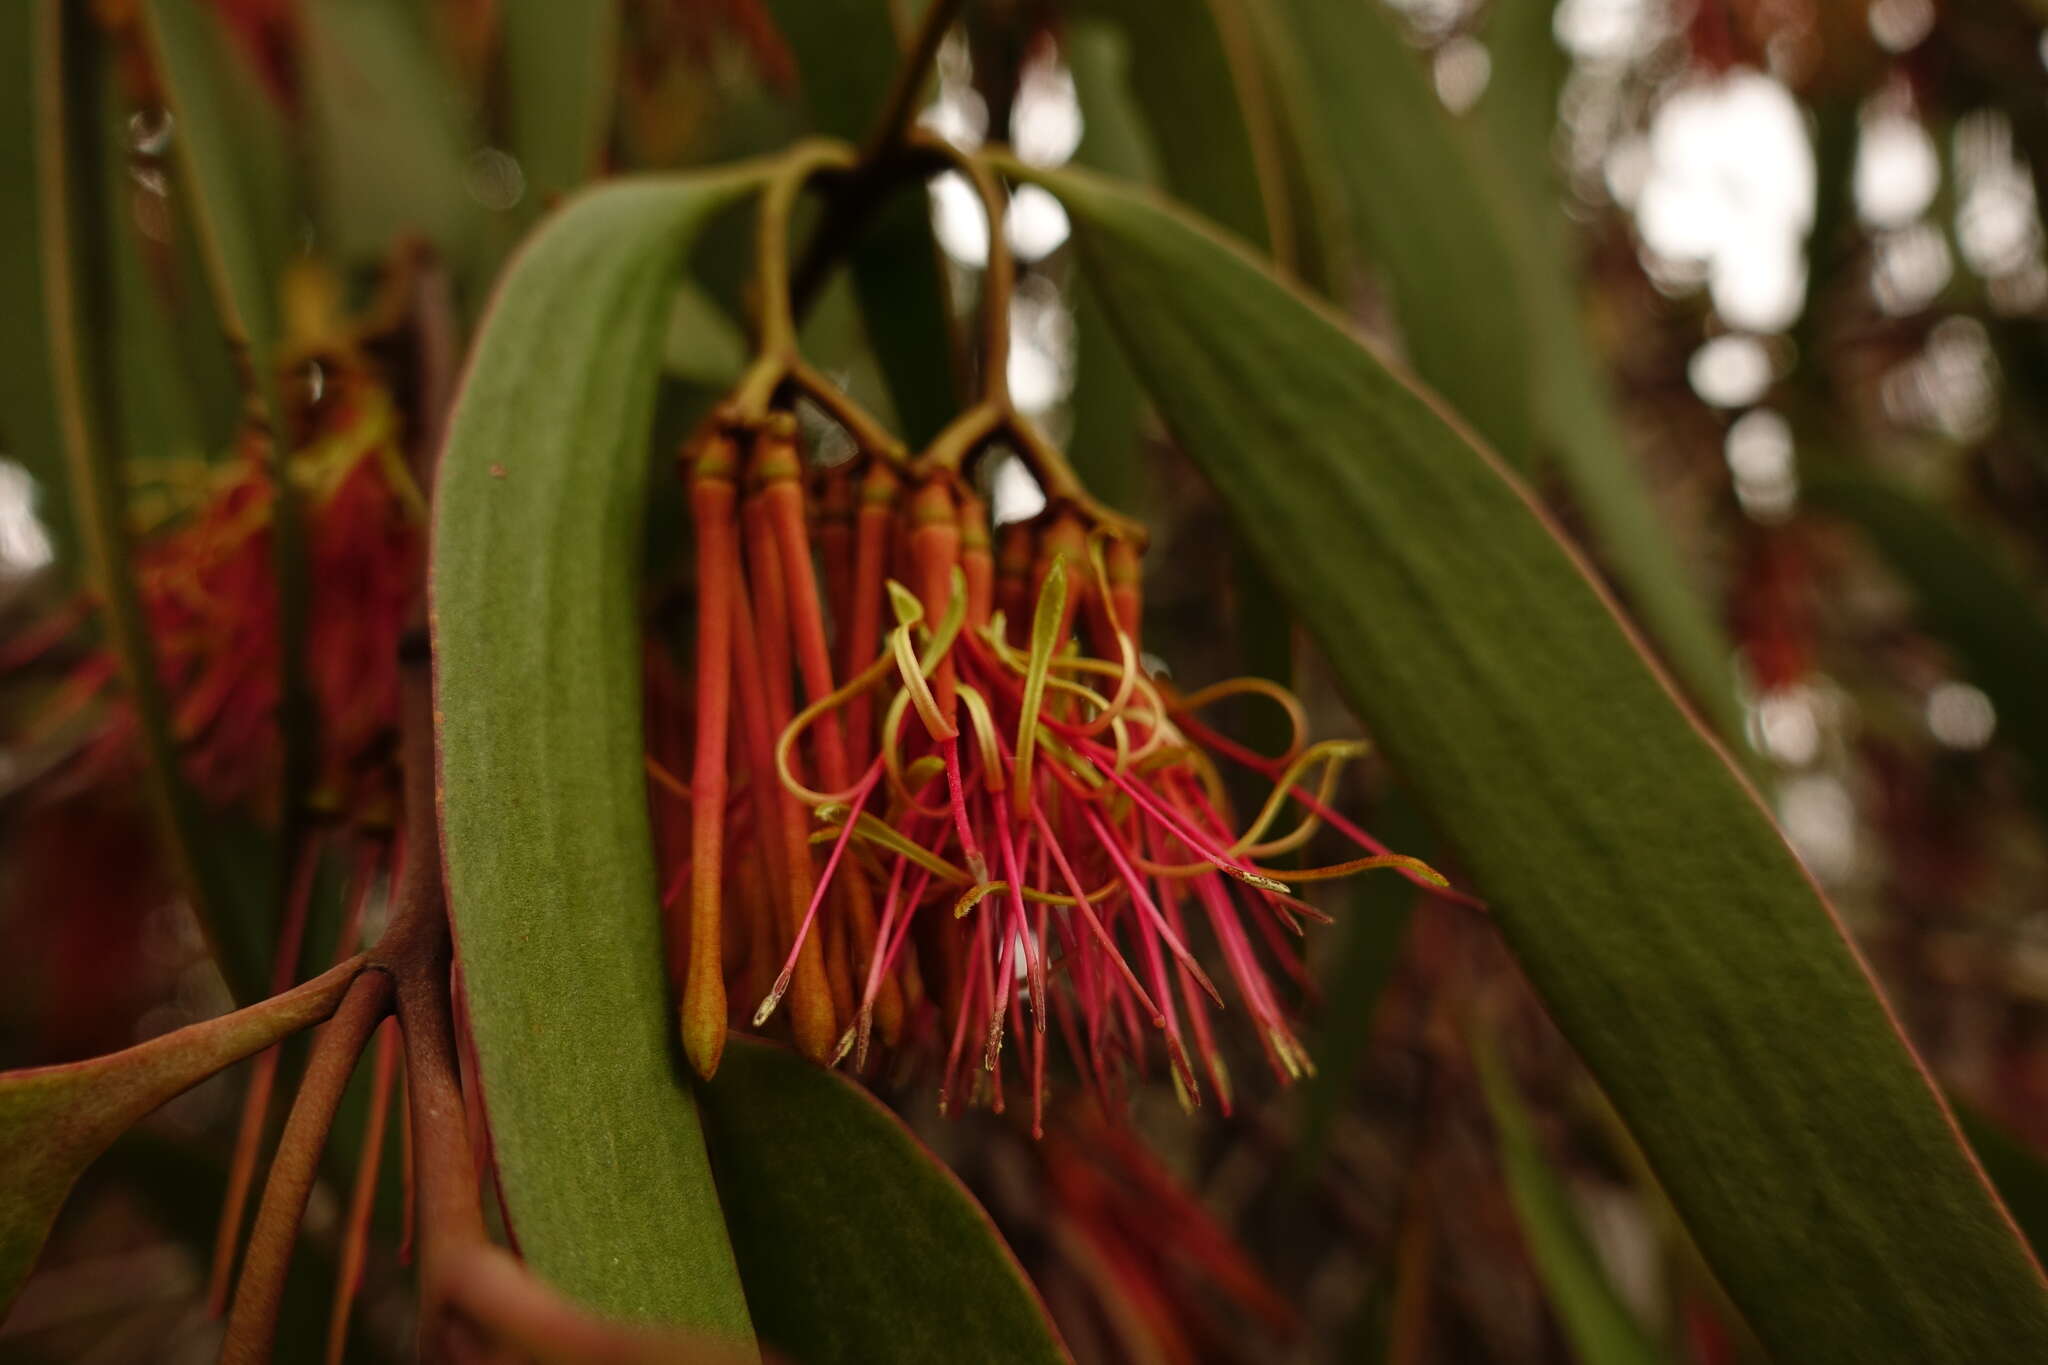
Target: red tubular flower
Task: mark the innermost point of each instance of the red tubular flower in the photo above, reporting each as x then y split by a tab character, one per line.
1013	815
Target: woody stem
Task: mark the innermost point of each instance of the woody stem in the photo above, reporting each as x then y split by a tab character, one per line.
893	119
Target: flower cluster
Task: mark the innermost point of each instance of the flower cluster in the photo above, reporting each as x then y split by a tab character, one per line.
935	792
205	570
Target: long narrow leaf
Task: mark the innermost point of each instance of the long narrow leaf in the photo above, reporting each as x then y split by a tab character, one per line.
29	430
1598	1323
1108	409
1418	214
232	146
534	586
561	68
1577	429
81	312
1638	880
1967	598
231	149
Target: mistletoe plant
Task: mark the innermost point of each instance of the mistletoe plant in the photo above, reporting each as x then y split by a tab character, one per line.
670	879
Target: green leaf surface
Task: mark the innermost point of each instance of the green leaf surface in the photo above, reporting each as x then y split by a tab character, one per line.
845	54
1418	214
1577	429
240	197
1199	84
534	587
233	148
1967	597
389	134
1600	1327
29	432
855	1243
561	72
1107	407
55	1120
1640	883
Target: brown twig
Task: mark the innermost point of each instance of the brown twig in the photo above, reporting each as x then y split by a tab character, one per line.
252	1323
899	107
262	1079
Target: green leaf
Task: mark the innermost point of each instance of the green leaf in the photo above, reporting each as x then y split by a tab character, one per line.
561	73
1640	883
1598	1324
29	431
1967	598
845	54
233	149
1108	409
551	882
855	1243
55	1120
1577	430
1196	115
389	134
1201	88
1418	213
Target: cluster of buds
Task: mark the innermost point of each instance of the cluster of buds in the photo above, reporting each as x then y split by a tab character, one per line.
986	818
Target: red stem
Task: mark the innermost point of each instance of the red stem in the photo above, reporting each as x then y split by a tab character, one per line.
252	1322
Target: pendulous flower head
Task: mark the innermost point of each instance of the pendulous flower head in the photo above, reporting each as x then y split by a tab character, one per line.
936	795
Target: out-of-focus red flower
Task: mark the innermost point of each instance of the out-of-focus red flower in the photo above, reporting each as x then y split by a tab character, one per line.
207	584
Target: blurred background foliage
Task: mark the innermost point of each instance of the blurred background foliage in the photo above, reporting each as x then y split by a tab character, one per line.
1752	292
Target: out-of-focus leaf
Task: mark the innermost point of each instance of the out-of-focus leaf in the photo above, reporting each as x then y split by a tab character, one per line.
1199	116
846	54
701	345
1516	114
83	307
1200	85
1108	410
1598	1324
1370	935
28	405
534	587
1418	214
561	72
1576	430
1967	598
389	133
897	278
54	1120
2018	1170
1640	883
233	148
1321	248
854	1242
